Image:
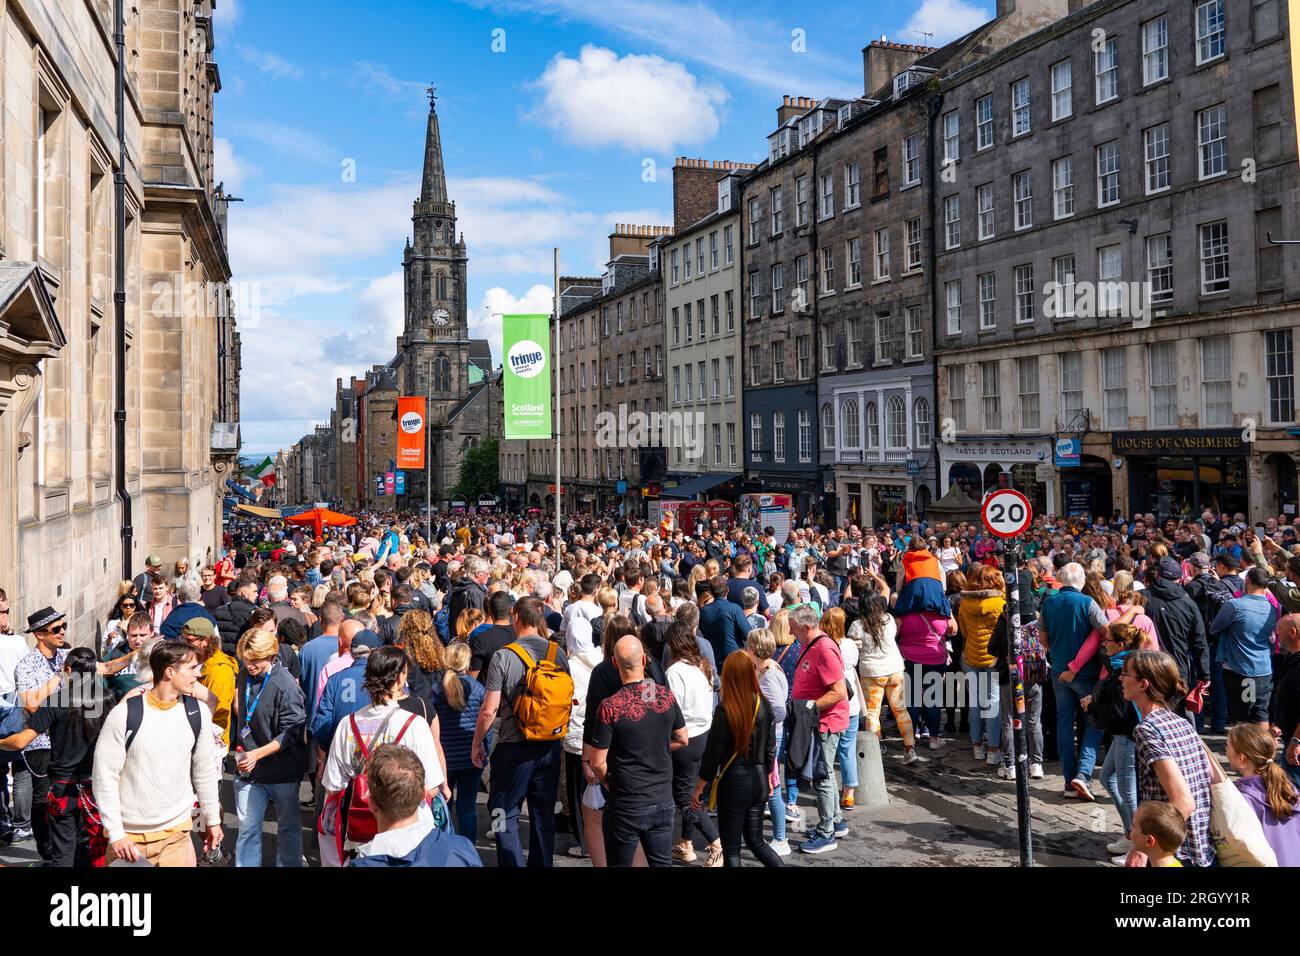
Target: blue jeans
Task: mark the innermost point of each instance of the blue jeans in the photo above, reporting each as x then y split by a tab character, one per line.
1073	765
465	785
1119	777
251	801
847	754
525	770
985	708
776	802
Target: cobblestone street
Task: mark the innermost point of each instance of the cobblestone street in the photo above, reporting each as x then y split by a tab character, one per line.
946	810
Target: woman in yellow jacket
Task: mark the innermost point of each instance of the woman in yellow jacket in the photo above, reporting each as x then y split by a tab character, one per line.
981	614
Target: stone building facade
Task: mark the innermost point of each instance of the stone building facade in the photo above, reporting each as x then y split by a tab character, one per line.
1107	279
780	212
702	328
65	499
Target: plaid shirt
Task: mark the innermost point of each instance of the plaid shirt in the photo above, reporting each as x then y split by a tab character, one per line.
1163	735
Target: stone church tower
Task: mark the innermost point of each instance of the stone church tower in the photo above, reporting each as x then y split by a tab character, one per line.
436	358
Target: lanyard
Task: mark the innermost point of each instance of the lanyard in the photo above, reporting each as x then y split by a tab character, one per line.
250	708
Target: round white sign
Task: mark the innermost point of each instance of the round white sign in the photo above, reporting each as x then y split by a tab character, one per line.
1007	513
412	422
526	359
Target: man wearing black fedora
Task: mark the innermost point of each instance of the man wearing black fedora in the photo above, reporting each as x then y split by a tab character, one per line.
37	676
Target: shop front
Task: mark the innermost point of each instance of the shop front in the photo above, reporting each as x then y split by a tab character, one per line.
878	499
1180	474
981	465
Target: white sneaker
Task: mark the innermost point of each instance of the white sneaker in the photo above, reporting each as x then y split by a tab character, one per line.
994	758
937	743
1035	771
780	847
909	756
1121	846
1007	772
981	752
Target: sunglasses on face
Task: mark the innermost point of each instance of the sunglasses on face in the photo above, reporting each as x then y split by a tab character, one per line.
57	629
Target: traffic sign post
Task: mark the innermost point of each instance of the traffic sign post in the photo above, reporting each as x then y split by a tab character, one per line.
1007	514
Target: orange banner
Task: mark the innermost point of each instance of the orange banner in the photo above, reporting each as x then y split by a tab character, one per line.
410	433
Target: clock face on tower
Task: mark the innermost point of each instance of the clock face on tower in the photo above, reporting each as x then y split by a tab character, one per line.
441	316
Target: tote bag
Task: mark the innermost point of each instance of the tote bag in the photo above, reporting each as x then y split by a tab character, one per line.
1236	832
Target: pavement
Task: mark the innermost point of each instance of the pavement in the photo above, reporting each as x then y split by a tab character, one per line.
945	810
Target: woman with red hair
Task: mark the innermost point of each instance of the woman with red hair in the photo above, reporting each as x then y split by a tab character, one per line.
738	757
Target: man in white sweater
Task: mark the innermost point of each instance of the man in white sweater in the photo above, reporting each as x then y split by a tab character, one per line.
147	769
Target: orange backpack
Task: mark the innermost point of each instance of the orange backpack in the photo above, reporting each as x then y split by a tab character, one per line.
545	700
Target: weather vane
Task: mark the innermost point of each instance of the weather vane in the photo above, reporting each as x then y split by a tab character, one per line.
433	94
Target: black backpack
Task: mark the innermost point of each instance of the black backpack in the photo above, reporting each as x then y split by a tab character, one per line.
1216	593
135	717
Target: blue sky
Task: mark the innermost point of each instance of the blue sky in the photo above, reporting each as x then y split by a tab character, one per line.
320	127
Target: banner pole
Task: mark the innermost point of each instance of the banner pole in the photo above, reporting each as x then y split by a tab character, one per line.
555	377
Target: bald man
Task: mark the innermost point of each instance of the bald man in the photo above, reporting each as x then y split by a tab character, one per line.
635	732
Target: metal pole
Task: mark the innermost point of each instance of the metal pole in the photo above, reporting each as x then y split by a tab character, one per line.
555	350
1011	564
428	464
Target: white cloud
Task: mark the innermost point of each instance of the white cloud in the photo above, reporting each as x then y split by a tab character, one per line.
371	337
756	49
946	20
230	169
636	102
289	140
270	63
226	14
485	320
377	77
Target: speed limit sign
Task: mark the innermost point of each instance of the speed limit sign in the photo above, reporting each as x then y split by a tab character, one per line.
1007	513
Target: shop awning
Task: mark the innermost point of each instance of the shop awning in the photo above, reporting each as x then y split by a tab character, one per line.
694	486
257	512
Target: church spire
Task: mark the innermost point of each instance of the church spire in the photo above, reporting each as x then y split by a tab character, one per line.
433	187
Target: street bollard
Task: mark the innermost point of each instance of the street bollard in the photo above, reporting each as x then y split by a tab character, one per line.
871	792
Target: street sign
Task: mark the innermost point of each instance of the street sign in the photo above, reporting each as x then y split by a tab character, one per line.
1007	513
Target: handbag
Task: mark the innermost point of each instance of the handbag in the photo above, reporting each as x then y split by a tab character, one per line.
1236	832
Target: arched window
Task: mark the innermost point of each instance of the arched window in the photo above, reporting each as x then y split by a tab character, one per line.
850	424
441	374
828	427
921	415
873	425
895	422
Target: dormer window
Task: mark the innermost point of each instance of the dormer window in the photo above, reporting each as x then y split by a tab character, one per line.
724	195
845	112
912	76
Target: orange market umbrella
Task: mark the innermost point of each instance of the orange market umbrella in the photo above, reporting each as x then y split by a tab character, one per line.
320	518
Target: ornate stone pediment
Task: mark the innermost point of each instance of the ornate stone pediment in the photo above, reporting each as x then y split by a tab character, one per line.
29	327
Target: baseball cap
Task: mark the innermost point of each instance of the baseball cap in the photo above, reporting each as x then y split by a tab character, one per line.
366	638
153	561
1200	560
1170	569
199	627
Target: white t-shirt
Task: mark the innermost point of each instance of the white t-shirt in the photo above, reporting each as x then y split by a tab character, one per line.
13	648
877	663
694	693
344	749
849	651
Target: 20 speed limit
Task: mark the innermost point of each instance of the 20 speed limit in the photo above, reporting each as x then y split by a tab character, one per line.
1007	513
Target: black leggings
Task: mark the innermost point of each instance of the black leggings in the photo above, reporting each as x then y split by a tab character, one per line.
686	770
742	794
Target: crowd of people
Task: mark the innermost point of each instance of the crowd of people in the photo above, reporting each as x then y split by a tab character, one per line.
662	694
